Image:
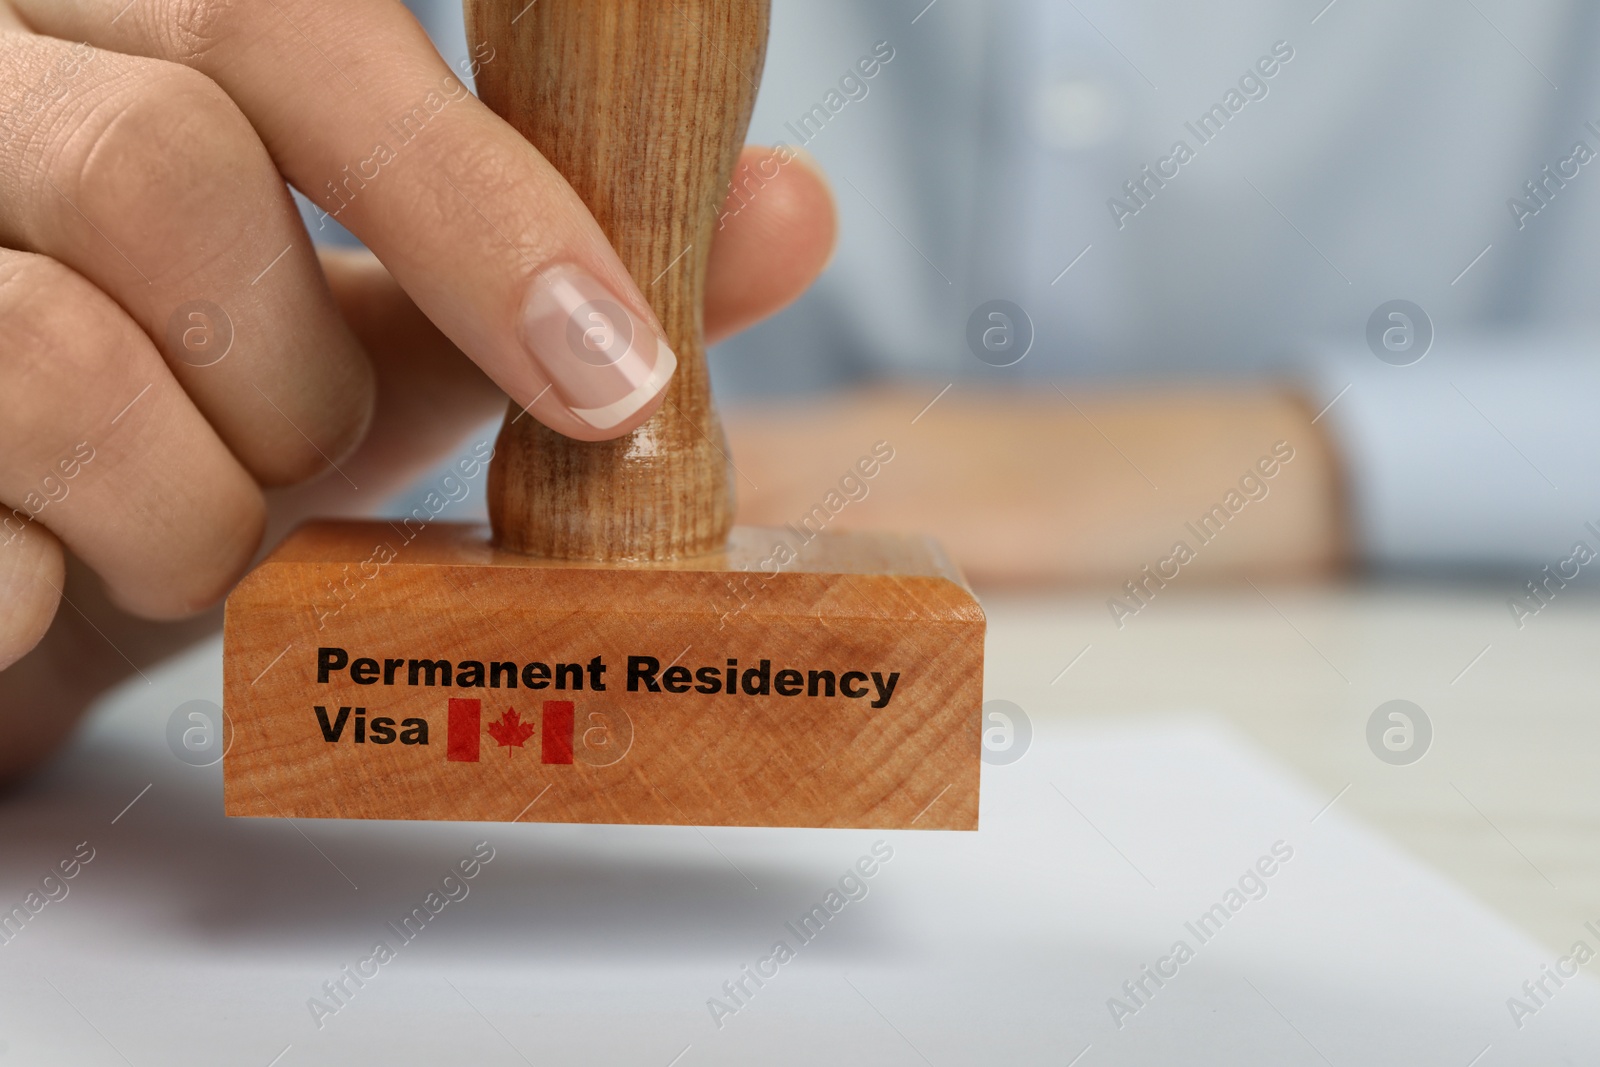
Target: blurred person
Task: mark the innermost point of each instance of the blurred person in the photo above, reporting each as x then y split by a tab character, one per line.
1207	213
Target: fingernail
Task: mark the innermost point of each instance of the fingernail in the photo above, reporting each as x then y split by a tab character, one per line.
603	361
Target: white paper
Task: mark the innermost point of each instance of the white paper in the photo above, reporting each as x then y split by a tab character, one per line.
194	939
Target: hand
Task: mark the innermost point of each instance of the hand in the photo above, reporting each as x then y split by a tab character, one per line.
145	230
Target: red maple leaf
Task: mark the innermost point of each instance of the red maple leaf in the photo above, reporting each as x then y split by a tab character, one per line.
510	730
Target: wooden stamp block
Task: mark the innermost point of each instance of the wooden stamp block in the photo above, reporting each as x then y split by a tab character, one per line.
614	652
369	677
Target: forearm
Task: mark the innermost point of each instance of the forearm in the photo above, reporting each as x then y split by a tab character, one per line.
1044	486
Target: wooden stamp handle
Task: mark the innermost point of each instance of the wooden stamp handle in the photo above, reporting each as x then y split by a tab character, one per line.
643	106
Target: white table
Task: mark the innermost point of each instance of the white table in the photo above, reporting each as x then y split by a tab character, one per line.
1412	907
1507	801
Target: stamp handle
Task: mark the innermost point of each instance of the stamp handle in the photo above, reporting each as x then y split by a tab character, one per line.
643	106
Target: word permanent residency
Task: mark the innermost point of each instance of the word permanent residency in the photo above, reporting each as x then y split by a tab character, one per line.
644	674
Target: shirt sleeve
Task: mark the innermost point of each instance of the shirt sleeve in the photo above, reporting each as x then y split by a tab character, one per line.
1485	453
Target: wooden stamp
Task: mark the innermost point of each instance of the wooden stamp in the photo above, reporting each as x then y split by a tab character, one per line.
612	650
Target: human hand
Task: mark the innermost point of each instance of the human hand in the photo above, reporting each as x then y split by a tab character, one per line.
143	172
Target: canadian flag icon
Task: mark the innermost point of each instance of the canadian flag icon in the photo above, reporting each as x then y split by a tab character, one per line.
465	737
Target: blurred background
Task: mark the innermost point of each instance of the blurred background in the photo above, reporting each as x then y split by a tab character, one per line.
1374	214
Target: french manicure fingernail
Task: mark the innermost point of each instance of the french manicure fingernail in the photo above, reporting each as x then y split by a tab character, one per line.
602	360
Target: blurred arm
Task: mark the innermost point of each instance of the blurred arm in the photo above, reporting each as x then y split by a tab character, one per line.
1036	486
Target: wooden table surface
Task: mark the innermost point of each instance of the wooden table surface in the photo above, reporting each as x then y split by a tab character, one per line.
1506	802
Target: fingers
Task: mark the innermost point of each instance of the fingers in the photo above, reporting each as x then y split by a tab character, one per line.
777	233
146	179
362	115
32	570
430	397
100	445
429	393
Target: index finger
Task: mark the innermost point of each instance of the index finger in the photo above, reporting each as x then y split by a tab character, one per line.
361	114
